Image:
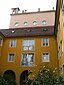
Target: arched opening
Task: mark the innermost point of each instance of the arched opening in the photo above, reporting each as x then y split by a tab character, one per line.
9	74
24	77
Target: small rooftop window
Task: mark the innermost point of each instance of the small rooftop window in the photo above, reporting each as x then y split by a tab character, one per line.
44	22
16	24
35	23
28	30
45	29
13	31
25	23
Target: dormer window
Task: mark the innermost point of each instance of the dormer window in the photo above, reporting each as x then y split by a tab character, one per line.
16	24
13	31
43	22
35	23
25	23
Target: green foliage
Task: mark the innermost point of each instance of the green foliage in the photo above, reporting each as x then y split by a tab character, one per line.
7	80
46	76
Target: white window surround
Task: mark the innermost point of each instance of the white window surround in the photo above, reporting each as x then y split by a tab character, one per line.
12	43
28	45
45	42
27	60
11	57
45	57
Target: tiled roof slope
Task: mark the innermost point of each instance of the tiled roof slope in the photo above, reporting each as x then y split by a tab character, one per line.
27	32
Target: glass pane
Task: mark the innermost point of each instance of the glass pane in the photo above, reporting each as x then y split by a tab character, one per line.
26	23
14	42
45	57
43	42
11	57
25	48
25	42
16	24
46	40
31	48
44	22
27	59
31	42
35	23
24	59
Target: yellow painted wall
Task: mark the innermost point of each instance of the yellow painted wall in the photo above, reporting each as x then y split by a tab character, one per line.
0	51
61	61
15	66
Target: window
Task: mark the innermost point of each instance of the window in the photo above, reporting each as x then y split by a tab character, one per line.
28	45
11	57
27	59
26	23
58	32
45	42
12	43
16	24
35	23
45	57
61	46
1	40
63	69
60	50
44	22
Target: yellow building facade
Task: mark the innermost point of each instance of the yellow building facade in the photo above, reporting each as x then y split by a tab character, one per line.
60	34
28	48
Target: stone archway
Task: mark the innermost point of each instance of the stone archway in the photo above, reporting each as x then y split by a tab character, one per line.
24	77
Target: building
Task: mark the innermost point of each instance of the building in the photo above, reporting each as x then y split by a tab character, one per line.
28	44
59	31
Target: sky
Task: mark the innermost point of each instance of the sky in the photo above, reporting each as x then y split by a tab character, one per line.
29	5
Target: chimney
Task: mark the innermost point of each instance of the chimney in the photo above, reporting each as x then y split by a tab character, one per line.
25	11
38	9
15	10
22	11
53	8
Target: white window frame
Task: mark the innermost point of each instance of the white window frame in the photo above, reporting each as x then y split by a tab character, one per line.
45	56
12	45
27	48
32	62
45	42
11	59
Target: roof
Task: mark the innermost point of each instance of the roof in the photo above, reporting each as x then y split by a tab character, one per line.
34	12
28	32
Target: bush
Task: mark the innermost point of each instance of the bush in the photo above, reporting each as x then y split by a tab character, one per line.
46	76
7	80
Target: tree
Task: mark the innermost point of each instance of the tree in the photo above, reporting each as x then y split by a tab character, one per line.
46	76
7	80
